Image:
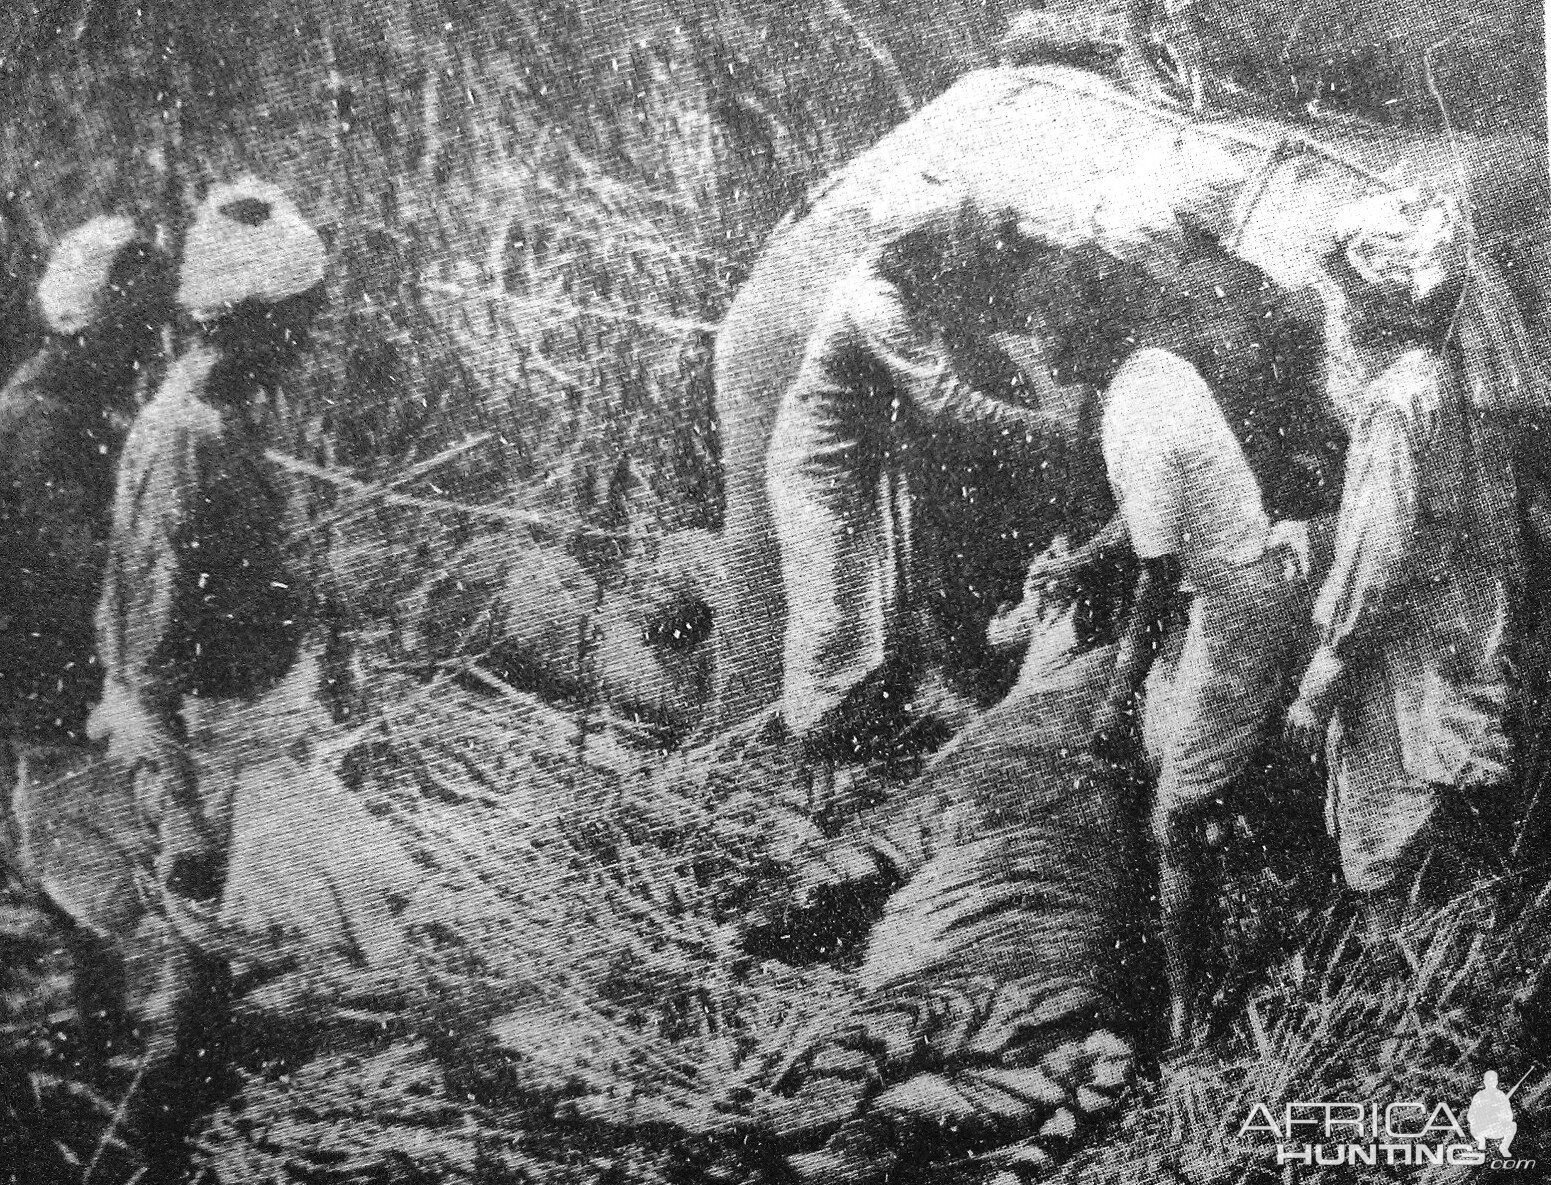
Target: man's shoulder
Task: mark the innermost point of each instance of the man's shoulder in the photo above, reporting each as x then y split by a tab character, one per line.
1153	372
1158	388
177	411
33	416
862	296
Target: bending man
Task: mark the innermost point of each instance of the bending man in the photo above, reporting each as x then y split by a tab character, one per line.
1193	512
875	383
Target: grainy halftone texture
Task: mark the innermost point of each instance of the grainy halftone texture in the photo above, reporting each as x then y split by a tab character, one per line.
537	217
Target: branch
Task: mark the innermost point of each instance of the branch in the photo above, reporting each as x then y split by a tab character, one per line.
384	494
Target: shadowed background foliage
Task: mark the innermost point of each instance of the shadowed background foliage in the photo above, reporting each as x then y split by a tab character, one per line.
537	211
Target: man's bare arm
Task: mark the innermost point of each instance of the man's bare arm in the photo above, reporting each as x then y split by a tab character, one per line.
1138	646
1014	625
954	399
1112	542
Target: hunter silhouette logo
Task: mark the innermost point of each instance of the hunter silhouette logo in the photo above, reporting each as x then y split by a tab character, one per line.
1491	1114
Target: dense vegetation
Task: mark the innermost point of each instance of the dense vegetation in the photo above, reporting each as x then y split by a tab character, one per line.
536	214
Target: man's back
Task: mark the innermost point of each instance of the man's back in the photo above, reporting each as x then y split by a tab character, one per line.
205	594
56	479
1179	474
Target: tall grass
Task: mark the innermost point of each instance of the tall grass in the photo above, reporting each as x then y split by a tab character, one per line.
536	214
1421	1017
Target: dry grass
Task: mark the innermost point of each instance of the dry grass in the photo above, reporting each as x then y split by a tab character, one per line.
580	920
1419	1018
534	222
589	1007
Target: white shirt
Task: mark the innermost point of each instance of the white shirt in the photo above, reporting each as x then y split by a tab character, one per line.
1178	472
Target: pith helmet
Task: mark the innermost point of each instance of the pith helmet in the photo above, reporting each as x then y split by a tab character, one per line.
78	271
248	242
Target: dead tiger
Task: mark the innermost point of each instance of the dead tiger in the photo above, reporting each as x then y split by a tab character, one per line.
996	1015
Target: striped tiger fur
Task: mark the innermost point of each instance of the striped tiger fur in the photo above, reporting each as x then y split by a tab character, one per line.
995	1006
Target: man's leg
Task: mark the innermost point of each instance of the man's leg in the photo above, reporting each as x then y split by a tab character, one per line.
1378	815
1182	712
192	830
1179	883
1228	677
20	797
10	829
831	567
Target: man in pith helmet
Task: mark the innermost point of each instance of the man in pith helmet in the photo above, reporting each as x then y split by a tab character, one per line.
63	418
212	629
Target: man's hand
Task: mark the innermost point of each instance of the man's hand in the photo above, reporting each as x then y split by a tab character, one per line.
1307	722
1048	589
1016	625
139	746
1052	576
